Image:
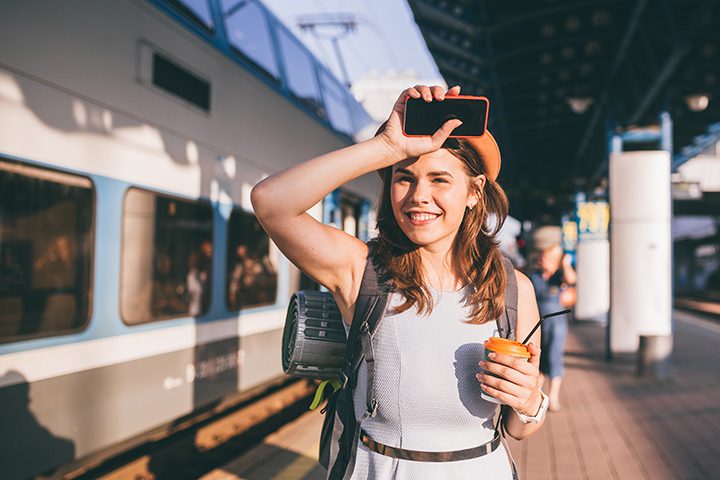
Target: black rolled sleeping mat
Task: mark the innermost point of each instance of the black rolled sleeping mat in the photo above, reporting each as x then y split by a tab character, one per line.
313	343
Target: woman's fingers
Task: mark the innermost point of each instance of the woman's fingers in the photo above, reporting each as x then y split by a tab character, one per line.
439	137
412	92
400	102
453	91
429	94
528	402
425	92
515	363
502	385
438	92
510	374
497	394
535	352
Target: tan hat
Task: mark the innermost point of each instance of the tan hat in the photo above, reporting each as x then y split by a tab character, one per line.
546	236
489	152
486	147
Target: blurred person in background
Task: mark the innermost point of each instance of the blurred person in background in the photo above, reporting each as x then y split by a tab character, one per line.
554	279
198	278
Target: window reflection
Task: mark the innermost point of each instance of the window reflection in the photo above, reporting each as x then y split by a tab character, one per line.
196	10
249	33
45	251
252	272
336	103
300	72
166	257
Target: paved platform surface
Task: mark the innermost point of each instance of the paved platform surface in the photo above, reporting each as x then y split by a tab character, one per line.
613	425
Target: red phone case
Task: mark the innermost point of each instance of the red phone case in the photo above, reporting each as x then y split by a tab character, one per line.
461	97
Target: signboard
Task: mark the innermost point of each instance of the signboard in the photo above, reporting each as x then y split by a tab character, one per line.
569	234
593	220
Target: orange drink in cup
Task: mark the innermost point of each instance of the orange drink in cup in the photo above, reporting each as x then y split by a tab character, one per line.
506	346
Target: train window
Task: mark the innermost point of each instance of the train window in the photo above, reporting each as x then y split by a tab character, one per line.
46	249
336	103
348	212
167	246
197	11
252	271
300	70
179	81
249	33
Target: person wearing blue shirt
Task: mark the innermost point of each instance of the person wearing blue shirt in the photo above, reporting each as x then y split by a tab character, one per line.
552	280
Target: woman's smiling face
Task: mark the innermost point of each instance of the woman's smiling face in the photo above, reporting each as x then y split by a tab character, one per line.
429	196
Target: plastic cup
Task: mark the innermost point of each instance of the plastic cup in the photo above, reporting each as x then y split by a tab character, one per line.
506	346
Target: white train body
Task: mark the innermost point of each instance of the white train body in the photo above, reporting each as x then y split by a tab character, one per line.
80	107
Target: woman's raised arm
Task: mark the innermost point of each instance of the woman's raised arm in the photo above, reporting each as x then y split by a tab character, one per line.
328	255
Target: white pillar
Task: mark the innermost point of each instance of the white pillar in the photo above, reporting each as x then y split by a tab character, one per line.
640	248
593	280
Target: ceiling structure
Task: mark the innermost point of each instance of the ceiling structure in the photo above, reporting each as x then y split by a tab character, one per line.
562	75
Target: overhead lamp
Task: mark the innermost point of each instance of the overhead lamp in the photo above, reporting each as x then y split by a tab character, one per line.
579	105
697	103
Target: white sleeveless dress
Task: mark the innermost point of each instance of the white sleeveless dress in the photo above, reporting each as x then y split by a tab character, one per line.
428	395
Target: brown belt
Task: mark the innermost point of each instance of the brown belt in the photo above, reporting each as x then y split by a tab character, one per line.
420	456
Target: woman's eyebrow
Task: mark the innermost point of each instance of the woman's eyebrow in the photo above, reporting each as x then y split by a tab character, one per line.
437	173
440	173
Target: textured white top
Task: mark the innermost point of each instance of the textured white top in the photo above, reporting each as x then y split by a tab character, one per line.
428	395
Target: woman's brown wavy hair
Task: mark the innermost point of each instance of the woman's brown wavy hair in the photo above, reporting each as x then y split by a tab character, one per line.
476	253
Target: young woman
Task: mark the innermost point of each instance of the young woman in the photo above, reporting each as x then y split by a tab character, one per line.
435	242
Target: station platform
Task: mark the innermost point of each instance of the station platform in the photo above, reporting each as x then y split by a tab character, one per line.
613	425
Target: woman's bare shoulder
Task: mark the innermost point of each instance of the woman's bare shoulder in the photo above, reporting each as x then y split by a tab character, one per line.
525	285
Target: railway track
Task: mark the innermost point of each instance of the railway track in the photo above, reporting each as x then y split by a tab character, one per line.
200	445
710	308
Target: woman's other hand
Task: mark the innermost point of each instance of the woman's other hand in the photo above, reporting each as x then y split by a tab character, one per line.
517	386
407	147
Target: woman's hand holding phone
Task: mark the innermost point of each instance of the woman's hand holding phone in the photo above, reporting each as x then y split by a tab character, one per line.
403	147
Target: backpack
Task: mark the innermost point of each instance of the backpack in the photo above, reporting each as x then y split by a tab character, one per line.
341	430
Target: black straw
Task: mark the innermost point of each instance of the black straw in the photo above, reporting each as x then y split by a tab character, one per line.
562	312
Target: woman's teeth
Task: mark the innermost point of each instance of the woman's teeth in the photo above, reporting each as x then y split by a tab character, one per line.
422	217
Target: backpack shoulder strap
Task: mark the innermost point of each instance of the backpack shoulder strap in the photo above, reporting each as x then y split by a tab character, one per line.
370	306
507	323
507	327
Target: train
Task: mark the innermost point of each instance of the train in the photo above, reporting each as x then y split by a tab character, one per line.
696	272
136	286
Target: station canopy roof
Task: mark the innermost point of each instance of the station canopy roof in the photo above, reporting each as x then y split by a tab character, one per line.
561	74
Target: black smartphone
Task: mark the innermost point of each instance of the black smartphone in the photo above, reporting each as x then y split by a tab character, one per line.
425	118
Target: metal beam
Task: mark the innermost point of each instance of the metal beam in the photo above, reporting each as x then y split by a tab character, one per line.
495	79
539	46
533	75
700	144
667	70
436	42
533	13
426	12
681	49
624	45
445	66
701	14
